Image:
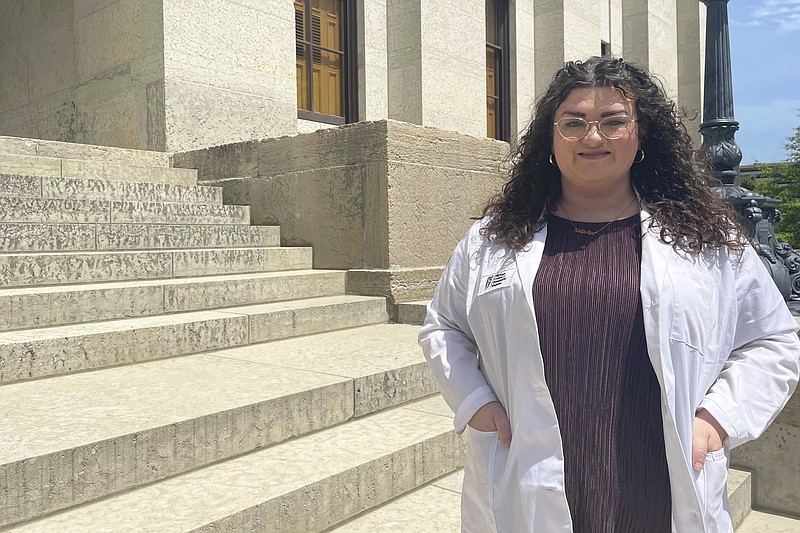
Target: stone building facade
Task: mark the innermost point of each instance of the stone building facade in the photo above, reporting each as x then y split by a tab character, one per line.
178	75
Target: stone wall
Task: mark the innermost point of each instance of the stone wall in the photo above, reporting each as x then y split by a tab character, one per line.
774	459
228	74
79	71
386	198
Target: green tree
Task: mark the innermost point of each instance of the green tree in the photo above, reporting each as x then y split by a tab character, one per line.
783	183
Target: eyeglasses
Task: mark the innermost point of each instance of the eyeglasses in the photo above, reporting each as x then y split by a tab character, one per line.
574	128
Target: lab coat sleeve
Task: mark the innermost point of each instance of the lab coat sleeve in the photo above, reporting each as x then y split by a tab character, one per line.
448	343
761	372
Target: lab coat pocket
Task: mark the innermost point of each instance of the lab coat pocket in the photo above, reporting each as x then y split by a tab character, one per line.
477	496
695	309
714	482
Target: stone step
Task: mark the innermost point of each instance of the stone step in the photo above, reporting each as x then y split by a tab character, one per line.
758	522
33	307
436	507
46	210
114	429
66	167
412	312
29	165
53	268
91	189
66	150
36	353
40	237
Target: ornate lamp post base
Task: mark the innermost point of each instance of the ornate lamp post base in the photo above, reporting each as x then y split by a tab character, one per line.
758	213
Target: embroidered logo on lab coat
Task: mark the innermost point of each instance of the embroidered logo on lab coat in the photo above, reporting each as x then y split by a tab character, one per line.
494	281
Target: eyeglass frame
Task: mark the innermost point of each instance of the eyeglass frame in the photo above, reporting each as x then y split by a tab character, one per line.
589	127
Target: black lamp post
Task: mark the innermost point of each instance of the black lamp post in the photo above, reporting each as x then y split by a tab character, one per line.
759	214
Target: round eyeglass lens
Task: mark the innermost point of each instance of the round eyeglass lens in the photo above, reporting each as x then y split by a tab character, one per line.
574	128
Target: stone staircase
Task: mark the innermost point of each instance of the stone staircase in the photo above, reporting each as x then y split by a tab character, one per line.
164	366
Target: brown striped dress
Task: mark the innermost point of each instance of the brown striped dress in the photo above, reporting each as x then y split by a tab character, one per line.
605	392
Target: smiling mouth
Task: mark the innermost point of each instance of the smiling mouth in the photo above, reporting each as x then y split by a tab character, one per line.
594	154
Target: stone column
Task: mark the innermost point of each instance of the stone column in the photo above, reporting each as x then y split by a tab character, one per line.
691	56
651	39
437	64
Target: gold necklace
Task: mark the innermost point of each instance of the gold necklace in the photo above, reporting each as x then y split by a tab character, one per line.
589	232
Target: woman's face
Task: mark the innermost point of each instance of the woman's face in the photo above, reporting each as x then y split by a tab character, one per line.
594	163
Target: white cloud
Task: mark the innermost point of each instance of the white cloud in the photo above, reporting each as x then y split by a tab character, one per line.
781	14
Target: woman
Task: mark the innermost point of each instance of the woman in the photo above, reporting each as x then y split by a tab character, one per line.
605	331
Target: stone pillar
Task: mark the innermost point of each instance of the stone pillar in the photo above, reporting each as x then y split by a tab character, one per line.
373	99
691	57
522	63
651	40
567	30
404	60
437	64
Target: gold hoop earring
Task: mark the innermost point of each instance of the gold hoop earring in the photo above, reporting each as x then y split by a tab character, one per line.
552	161
641	158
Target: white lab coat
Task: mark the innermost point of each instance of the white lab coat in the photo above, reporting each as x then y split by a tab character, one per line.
719	336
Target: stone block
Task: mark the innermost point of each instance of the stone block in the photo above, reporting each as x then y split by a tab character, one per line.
17	185
39	237
739	495
41	307
108	38
51	59
90	189
81	267
191	107
321	208
399	285
99	170
221	162
29	165
239	260
44	210
205	293
65	349
302	317
65	150
774	459
144	236
412	312
164	213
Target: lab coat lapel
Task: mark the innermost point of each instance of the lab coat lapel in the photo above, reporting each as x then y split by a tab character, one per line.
528	260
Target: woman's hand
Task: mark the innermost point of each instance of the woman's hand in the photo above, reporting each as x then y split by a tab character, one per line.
492	417
707	436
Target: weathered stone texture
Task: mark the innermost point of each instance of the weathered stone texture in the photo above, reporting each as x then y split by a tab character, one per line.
38	307
65	150
17	209
774	459
143	236
151	213
91	189
17	185
190	296
227	261
48	269
24	356
45	237
289	319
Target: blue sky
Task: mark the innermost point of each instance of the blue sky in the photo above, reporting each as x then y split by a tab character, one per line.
765	58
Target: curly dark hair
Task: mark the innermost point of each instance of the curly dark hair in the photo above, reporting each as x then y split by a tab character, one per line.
675	185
